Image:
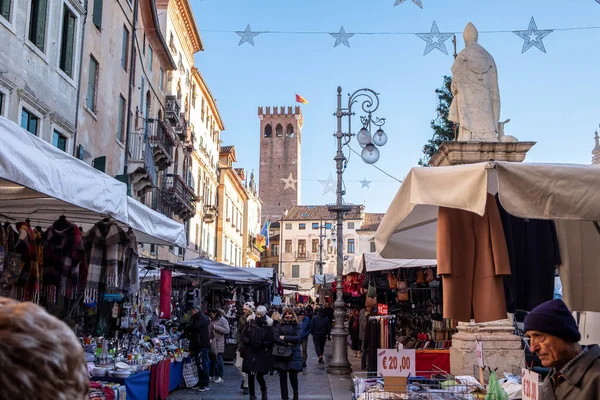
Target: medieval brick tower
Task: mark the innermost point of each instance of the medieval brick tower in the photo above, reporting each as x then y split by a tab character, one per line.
279	174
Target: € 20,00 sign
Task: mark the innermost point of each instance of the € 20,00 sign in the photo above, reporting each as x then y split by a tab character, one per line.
396	363
530	381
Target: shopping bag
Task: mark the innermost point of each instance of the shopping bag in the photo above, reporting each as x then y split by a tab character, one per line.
190	373
494	390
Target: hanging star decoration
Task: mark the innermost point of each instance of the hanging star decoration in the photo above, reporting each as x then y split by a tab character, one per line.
365	183
435	39
247	36
417	2
290	182
533	36
342	37
328	185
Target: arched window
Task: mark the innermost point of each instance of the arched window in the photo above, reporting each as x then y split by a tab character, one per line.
268	131
289	131
279	130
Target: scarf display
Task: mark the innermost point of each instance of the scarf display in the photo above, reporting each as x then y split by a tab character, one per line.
105	245
24	269
166	279
130	275
65	264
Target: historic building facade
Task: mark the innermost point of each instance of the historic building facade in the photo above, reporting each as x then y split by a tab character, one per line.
307	235
280	159
40	67
252	223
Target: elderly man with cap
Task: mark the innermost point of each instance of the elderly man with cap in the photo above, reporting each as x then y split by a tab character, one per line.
554	337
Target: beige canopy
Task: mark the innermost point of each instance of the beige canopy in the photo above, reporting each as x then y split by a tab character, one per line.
568	194
526	190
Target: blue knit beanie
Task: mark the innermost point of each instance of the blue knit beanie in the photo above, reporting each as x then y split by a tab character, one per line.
555	318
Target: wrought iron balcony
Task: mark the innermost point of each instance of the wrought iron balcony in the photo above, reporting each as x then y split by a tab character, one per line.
162	146
181	128
210	213
172	110
159	201
141	166
182	196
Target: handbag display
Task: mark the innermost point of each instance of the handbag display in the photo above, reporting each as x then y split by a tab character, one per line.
371	302
392	280
282	351
429	276
372	292
420	276
402	288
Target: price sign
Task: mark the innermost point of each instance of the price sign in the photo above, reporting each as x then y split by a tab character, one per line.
479	347
530	381
382	309
396	363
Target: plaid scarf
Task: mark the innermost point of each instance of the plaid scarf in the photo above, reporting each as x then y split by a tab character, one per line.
104	244
27	284
64	261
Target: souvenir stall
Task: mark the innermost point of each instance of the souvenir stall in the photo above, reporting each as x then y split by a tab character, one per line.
523	219
46	211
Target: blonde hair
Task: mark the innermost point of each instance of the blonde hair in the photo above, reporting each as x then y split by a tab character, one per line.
40	356
290	310
276	316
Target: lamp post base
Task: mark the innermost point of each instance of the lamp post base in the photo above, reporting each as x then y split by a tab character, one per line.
339	364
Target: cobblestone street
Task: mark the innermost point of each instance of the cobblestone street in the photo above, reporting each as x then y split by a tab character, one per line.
314	383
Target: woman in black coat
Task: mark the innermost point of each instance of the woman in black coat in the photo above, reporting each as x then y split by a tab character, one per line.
257	338
287	334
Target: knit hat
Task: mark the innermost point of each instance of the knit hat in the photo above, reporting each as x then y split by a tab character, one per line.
553	317
249	306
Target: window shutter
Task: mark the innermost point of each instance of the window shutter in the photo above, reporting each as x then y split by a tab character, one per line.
5	9
100	163
97	17
69	43
91	91
41	24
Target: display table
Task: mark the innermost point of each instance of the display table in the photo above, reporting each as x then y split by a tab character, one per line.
426	359
138	384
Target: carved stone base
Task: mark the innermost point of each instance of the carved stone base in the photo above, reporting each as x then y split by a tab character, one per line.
456	153
501	348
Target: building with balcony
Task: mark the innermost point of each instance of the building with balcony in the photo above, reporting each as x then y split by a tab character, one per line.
252	224
270	257
206	126
232	196
307	237
122	96
39	66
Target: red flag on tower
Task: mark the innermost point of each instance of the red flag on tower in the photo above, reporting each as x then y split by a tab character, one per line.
300	99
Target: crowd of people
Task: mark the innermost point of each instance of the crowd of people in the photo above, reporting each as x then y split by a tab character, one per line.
268	340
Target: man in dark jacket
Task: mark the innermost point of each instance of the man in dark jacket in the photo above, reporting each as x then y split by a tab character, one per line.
198	335
554	337
304	332
320	328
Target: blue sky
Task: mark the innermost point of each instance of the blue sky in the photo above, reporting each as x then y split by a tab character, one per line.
550	98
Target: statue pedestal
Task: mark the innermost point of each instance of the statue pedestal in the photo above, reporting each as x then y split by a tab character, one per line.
501	348
456	153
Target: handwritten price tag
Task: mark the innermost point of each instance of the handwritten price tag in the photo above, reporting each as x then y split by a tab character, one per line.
396	363
480	362
530	381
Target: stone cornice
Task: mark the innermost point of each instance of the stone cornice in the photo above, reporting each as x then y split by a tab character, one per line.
209	98
30	98
9	84
57	119
78	6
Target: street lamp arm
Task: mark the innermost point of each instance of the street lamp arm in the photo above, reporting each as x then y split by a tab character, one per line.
370	103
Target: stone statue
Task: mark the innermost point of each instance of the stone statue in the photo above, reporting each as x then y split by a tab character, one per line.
503	137
476	104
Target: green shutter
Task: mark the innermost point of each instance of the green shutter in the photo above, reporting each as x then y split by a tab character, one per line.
68	42
80	151
100	163
97	17
91	90
5	9
124	48
40	31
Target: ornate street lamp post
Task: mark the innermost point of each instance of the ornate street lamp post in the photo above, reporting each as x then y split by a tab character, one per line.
369	100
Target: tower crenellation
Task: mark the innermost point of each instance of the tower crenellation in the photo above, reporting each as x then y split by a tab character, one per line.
280	159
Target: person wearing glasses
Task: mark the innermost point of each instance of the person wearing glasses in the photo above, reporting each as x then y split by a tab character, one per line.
554	337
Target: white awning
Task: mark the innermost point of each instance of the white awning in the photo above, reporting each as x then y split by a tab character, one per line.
40	181
526	190
376	263
150	226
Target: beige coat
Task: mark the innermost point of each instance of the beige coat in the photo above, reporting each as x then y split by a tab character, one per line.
472	258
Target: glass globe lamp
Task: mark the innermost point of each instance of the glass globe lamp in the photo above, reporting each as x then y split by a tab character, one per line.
364	137
370	154
380	137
